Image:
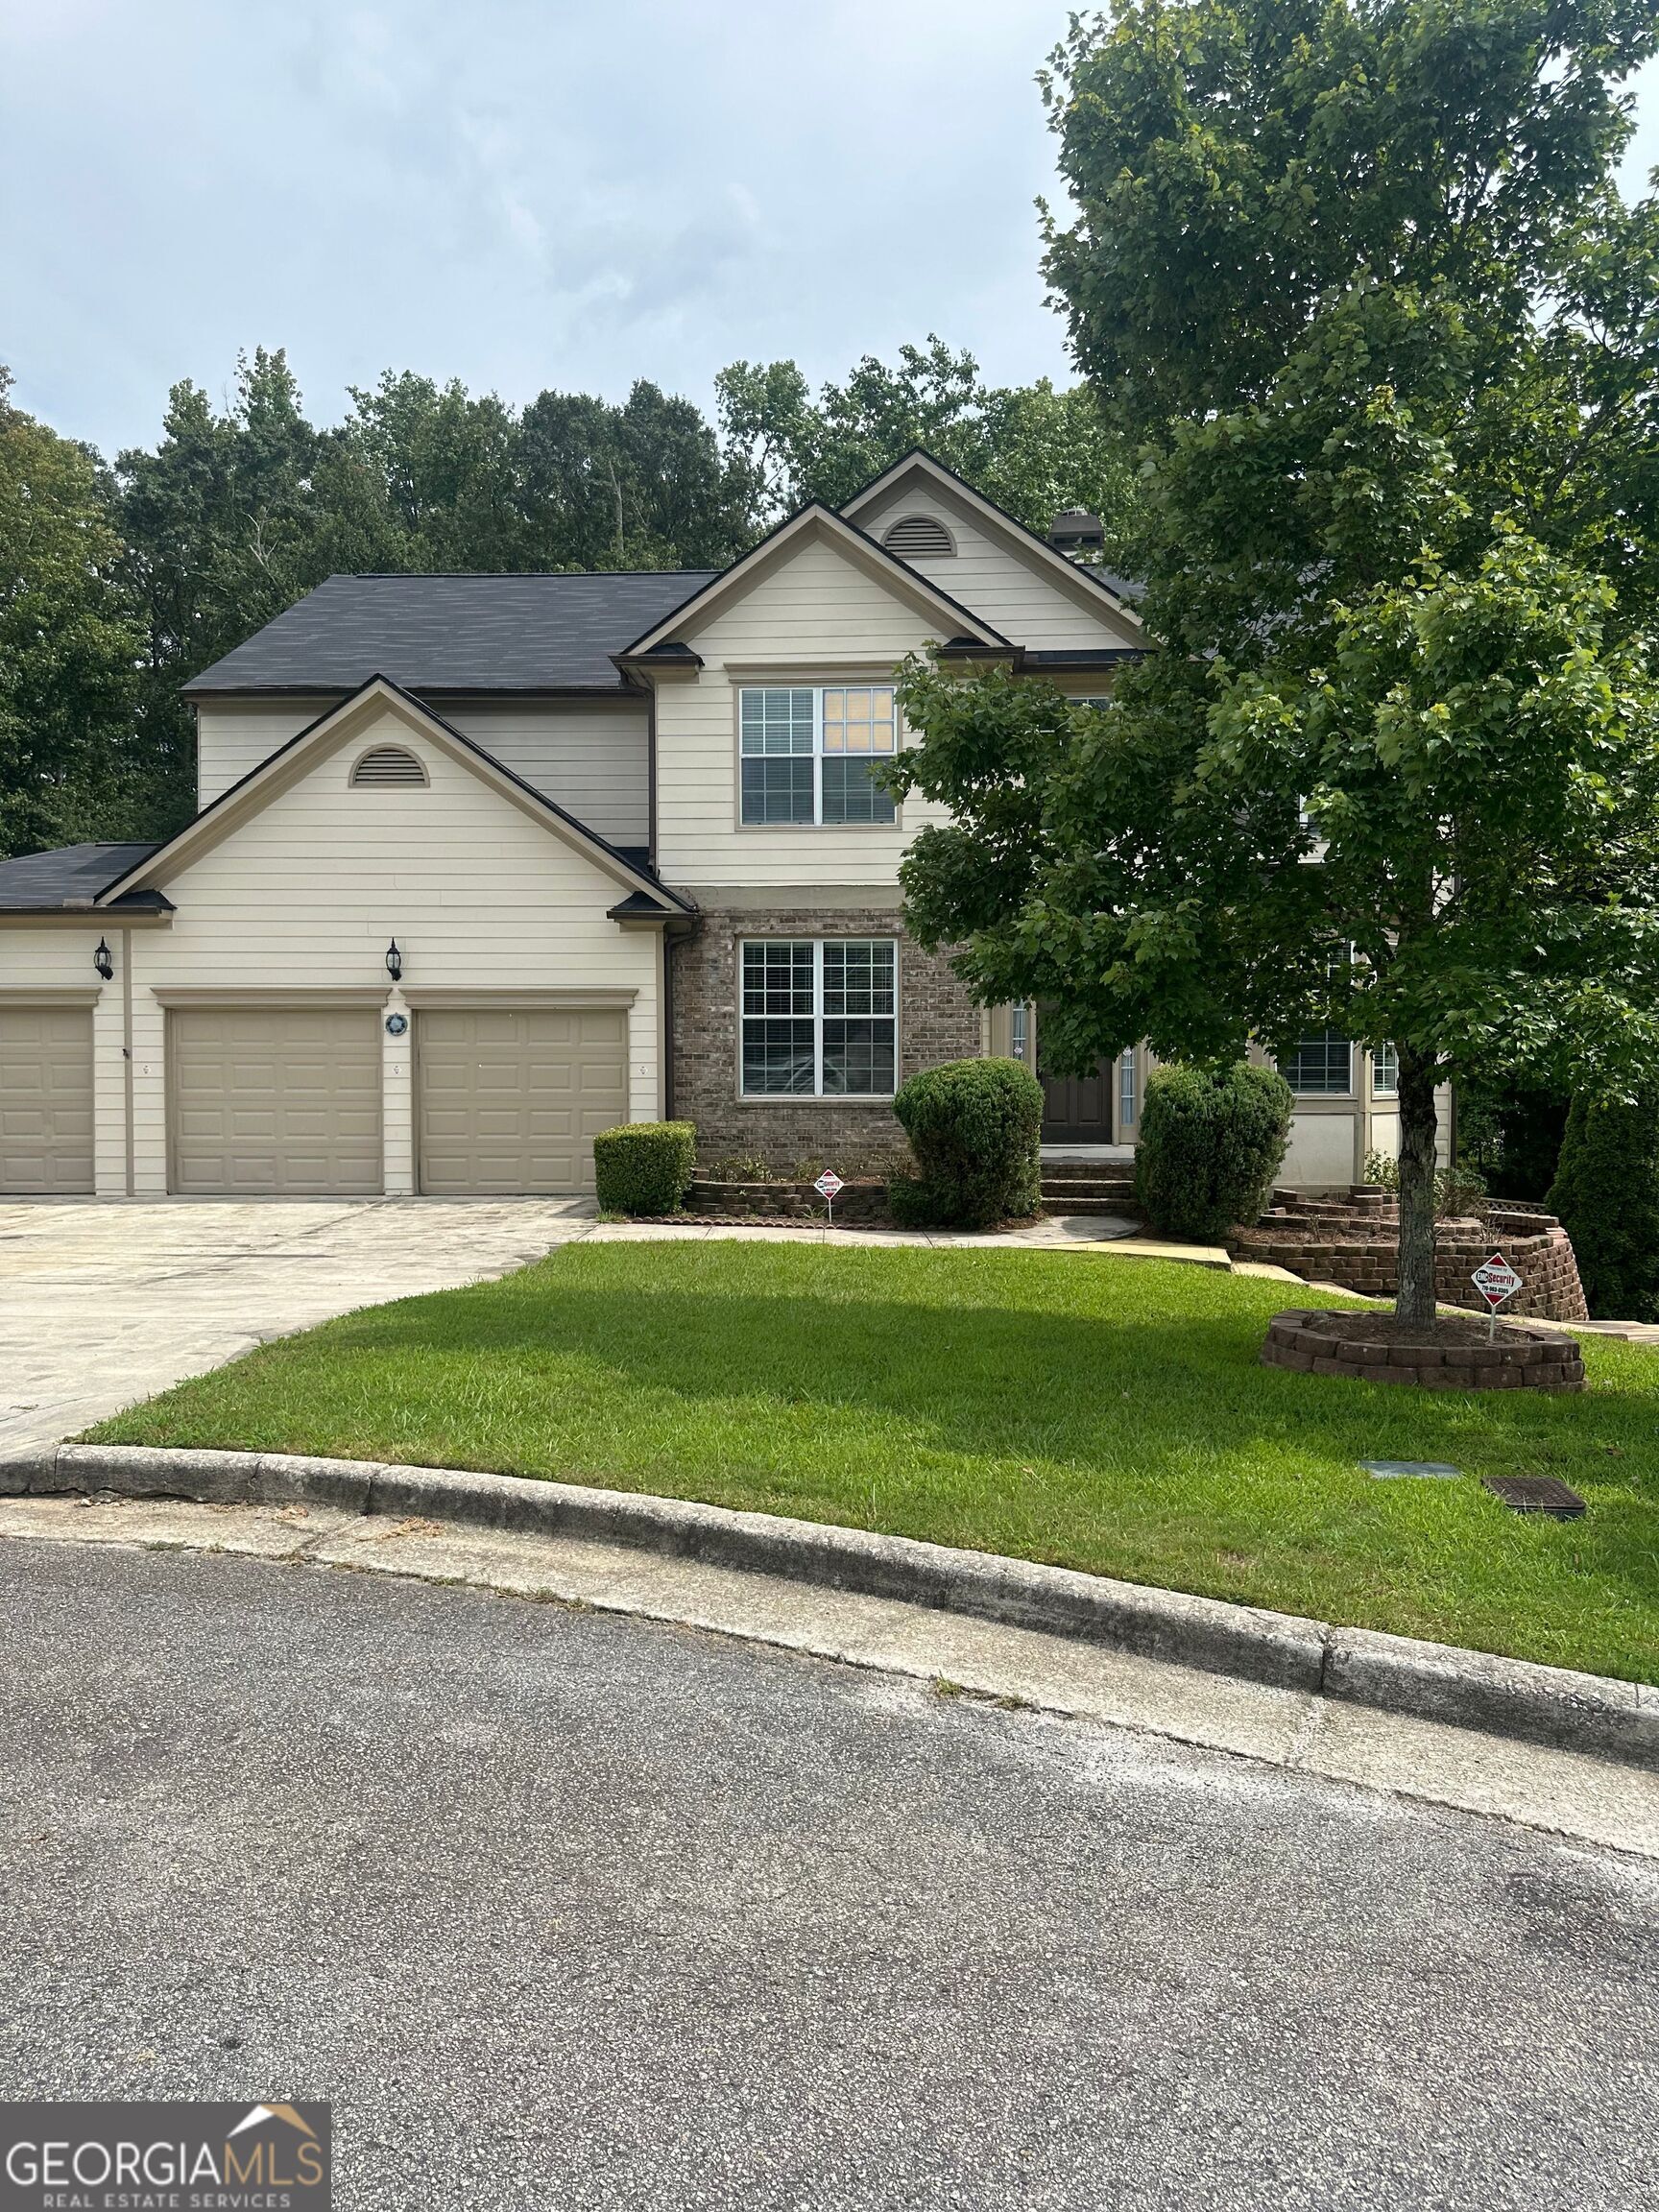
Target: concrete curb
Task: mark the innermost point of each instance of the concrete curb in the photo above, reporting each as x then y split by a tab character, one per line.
1586	1713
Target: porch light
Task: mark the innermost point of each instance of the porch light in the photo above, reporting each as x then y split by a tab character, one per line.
104	960
393	961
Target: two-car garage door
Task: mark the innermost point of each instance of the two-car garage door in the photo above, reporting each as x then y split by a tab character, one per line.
287	1101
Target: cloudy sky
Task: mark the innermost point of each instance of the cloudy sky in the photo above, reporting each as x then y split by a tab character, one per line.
518	192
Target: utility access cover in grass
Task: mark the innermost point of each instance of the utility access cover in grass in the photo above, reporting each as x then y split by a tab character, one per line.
1537	1493
1423	1470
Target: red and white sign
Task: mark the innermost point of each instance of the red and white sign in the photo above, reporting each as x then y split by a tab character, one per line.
829	1183
1496	1280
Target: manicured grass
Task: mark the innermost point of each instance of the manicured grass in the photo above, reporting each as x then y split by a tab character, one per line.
1097	1411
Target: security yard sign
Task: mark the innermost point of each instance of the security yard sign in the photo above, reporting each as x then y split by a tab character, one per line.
827	1186
1496	1280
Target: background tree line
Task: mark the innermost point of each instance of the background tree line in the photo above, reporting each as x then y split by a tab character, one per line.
119	581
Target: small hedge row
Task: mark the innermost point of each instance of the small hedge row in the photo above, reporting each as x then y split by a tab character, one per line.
644	1166
974	1128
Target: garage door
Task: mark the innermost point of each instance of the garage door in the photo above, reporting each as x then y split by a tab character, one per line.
45	1100
275	1103
510	1103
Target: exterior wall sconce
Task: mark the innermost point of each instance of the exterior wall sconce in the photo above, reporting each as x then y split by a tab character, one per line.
393	961
104	960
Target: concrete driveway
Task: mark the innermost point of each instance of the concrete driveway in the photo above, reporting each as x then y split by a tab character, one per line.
104	1304
560	1908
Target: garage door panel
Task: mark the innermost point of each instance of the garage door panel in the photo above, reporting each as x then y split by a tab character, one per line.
45	1101
281	1102
510	1103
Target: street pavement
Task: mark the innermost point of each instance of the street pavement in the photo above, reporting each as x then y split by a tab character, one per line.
569	1909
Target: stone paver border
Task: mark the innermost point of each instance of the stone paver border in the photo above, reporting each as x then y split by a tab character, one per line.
1550	1705
1322	1340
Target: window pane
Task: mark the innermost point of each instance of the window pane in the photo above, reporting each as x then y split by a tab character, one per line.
858	1058
777	790
1320	1067
1126	1088
859	975
1385	1071
776	1055
858	718
778	977
777	721
850	796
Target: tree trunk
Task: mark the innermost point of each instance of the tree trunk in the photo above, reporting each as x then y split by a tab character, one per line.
1418	1123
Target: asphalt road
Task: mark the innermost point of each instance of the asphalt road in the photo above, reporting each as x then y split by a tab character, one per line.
567	1911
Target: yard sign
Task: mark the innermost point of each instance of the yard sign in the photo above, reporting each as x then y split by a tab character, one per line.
827	1185
1496	1280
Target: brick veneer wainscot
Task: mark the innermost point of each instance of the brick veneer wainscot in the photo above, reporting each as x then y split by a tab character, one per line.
937	1020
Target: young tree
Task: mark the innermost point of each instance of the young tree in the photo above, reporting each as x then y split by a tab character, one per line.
1348	268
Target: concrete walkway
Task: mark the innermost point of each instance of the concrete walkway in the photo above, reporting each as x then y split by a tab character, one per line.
102	1305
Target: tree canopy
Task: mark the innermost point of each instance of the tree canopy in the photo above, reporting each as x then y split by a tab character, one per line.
1357	276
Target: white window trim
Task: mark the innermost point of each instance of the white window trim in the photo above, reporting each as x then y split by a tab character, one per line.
818	1095
818	685
1382	1090
1348	1093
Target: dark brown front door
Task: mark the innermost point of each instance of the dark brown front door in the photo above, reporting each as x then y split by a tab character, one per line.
1077	1108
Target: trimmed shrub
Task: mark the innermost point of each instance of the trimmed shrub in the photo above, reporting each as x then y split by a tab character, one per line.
1606	1196
1211	1147
644	1166
975	1127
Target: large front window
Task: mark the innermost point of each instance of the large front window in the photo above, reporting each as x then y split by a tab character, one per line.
820	1016
806	750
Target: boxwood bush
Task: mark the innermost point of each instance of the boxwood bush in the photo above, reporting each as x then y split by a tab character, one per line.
974	1128
1606	1196
1211	1145
644	1166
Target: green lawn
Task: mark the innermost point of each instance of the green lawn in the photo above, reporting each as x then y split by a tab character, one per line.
1097	1411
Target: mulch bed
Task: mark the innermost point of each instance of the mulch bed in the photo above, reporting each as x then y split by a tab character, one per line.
1452	1353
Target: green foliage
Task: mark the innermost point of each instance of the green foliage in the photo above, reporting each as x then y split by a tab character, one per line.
67	645
1606	1196
1459	1190
1510	1133
1212	1143
1031	449
975	1127
644	1166
1362	281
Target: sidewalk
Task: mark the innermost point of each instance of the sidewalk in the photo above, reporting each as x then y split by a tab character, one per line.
1055	1233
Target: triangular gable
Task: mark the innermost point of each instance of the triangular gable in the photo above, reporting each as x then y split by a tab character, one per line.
1083	585
286	766
812	523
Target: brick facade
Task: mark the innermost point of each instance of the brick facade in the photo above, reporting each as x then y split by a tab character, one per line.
937	1020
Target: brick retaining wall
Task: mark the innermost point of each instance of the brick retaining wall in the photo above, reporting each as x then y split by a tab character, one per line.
1353	1242
1319	1342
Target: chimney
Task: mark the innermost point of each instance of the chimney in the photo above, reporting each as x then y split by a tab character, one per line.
1076	533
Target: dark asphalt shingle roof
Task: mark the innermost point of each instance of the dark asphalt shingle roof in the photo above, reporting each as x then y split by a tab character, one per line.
74	875
454	633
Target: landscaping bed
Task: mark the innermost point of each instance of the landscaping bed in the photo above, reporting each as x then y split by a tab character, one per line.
1450	1353
1097	1412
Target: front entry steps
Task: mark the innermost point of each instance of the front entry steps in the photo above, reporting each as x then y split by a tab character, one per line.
1089	1187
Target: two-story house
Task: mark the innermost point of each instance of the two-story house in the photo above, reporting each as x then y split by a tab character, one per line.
485	864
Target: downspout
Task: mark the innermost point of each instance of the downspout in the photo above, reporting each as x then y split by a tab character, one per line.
651	772
127	1054
668	944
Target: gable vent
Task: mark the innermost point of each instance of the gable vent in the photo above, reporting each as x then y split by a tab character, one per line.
920	538
385	764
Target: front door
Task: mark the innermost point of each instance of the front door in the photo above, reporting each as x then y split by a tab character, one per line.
1076	1109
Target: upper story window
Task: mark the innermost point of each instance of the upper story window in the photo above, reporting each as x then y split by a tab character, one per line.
384	764
920	538
806	750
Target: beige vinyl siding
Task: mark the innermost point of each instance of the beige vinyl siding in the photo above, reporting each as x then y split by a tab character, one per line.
307	894
1010	592
234	737
45	1101
816	617
590	757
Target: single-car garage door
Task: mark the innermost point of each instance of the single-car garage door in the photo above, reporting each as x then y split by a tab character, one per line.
45	1101
510	1103
274	1102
